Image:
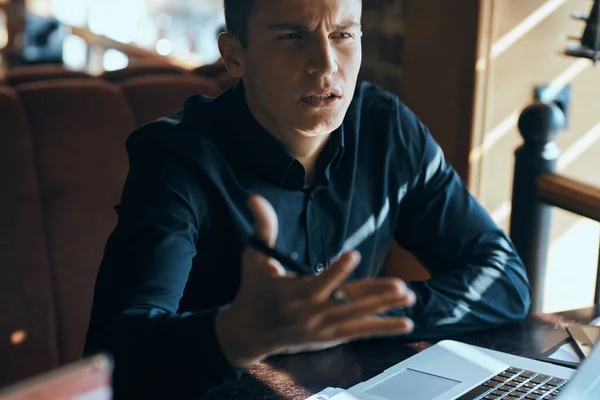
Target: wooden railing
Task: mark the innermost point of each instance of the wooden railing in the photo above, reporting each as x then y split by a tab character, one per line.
537	188
101	43
93	39
570	195
97	44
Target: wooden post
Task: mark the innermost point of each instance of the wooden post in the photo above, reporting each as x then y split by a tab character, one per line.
15	26
530	220
597	292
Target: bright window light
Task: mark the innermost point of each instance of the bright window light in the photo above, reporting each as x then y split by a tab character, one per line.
3	30
114	59
164	47
71	12
75	52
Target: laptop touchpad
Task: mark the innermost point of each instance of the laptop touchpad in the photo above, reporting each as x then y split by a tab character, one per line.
412	384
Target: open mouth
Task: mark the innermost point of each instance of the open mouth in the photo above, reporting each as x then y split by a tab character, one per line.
320	97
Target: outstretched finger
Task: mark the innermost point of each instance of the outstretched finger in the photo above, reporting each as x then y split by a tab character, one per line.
380	287
334	276
370	327
367	306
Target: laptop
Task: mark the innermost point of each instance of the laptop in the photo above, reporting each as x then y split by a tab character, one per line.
87	379
452	370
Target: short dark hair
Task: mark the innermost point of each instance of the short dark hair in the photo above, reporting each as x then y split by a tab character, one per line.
237	16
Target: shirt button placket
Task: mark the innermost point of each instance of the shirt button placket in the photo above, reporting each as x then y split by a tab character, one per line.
313	232
319	267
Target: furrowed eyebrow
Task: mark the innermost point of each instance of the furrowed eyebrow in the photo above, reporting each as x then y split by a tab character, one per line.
288	26
347	25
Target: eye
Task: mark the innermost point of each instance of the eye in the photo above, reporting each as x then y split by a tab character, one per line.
342	35
291	36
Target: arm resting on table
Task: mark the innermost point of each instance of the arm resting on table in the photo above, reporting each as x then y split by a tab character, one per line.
477	279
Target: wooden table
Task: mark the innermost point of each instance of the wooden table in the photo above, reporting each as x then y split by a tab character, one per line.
301	375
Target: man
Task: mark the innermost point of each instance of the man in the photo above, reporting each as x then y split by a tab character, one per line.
340	171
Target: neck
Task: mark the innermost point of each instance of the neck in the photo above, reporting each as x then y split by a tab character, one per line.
308	158
306	149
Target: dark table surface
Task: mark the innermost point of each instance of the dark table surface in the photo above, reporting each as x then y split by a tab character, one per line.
301	375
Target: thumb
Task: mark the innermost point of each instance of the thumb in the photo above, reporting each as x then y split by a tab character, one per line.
266	225
266	228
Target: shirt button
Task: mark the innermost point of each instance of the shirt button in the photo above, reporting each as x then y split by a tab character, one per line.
319	268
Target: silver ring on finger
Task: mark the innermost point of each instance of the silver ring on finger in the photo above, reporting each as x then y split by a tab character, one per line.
339	296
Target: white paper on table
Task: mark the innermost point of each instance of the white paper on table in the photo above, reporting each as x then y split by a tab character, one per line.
568	353
344	396
332	394
326	394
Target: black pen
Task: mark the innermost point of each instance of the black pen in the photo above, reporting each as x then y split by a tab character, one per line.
264	248
339	295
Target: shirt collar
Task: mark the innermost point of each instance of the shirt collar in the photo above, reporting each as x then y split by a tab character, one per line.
268	157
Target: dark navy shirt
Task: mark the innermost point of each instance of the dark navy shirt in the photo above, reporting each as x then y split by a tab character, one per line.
174	257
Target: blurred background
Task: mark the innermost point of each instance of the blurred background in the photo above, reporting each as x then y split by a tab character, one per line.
182	31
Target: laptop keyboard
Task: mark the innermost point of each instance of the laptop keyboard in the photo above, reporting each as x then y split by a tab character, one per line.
516	383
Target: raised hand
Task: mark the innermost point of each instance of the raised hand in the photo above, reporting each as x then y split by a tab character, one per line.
275	312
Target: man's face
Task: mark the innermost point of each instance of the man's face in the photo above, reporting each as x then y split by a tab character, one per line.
302	63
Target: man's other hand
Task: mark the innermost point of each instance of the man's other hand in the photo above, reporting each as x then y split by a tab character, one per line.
275	312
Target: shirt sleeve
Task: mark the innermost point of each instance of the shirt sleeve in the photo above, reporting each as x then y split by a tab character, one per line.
157	350
477	278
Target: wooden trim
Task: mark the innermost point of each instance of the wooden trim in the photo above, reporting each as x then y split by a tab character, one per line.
570	195
93	39
15	24
480	106
439	77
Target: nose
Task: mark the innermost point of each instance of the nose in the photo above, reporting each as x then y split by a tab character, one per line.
322	59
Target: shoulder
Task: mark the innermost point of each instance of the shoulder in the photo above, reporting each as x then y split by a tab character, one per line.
386	122
374	103
178	127
383	113
167	158
185	137
374	99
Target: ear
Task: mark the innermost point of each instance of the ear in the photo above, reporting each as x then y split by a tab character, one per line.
232	54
